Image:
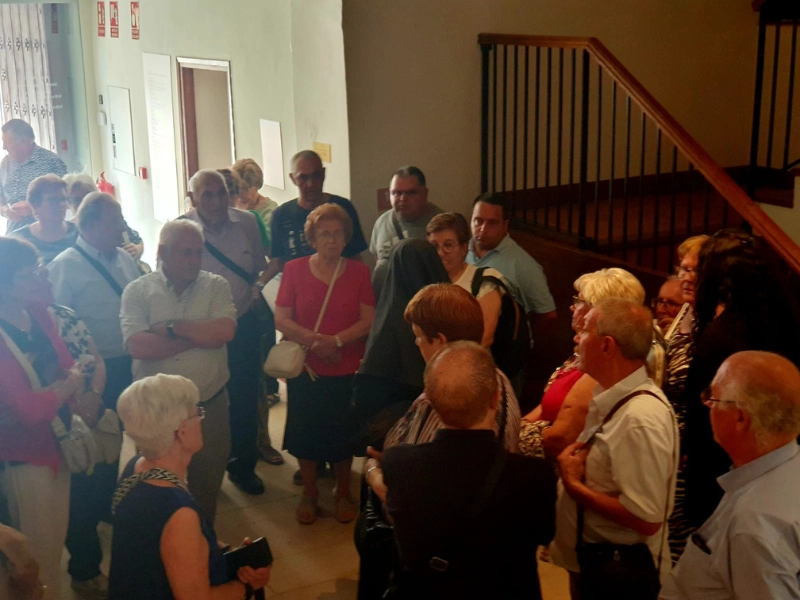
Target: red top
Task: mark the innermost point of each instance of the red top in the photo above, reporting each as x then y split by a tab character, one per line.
25	415
301	291
553	398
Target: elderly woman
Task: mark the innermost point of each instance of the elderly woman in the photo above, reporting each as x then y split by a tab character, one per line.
251	180
161	549
319	422
558	420
38	380
449	233
51	233
80	185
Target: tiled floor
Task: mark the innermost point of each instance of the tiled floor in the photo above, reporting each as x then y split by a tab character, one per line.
316	561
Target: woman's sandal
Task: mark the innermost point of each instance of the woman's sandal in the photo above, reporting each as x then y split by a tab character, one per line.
307	510
346	509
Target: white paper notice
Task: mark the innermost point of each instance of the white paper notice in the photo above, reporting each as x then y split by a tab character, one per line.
119	100
161	136
272	153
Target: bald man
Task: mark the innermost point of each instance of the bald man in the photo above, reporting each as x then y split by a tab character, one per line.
489	548
750	547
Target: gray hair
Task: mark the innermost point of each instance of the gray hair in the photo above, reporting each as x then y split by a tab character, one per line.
609	283
173	230
303	155
199	178
629	323
91	209
153	408
19	129
78	184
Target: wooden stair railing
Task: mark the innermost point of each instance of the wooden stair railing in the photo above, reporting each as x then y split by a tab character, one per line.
548	102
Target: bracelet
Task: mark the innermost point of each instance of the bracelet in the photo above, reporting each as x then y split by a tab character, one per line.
370	470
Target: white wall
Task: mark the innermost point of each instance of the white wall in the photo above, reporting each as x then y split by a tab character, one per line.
414	77
213	118
265	43
787	219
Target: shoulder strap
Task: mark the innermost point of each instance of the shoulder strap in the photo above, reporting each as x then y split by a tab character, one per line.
126	485
100	269
328	295
477	281
498	282
227	262
492	477
397	228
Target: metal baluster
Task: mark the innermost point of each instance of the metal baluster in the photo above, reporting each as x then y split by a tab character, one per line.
641	192
571	139
706	224
485	49
657	204
560	128
773	95
673	201
584	166
536	143
755	133
494	121
689	205
790	98
613	161
599	152
525	143
548	194
627	173
505	115
516	129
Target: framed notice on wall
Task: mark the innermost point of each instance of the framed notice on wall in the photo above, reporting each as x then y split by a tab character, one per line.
134	20
101	19
113	8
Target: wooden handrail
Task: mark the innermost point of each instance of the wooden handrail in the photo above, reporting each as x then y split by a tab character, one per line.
702	161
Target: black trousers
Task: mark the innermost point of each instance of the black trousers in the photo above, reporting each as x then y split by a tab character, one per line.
90	495
244	362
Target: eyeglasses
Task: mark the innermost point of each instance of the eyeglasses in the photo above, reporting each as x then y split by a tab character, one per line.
577	302
201	414
330	235
709	400
656	302
447	247
580	330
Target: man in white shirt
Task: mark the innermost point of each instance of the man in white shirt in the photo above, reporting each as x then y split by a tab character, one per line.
178	320
750	546
625	481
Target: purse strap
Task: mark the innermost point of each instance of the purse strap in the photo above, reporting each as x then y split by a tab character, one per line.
580	543
100	269
328	295
398	230
157	474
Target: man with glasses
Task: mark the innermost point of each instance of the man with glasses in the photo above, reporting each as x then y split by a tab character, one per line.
668	303
620	475
178	320
748	548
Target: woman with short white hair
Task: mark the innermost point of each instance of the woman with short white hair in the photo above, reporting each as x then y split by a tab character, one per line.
161	549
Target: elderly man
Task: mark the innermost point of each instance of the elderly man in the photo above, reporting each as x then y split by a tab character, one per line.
25	162
668	303
749	548
468	515
288	220
410	214
233	250
619	478
178	320
89	278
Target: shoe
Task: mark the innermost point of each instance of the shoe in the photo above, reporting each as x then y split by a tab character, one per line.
273	399
346	509
271	456
249	483
307	510
93	589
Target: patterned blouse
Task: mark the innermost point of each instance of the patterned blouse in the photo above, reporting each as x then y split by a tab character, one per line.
77	338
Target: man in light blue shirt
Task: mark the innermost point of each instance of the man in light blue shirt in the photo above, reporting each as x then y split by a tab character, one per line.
750	547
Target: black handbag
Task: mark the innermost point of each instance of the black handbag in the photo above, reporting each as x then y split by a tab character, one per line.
619	571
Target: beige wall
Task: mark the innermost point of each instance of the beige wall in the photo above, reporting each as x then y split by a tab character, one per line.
213	118
787	219
413	77
265	43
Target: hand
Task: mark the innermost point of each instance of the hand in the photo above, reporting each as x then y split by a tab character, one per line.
159	328
88	406
372	453
133	250
324	346
257	578
572	463
67	387
17	212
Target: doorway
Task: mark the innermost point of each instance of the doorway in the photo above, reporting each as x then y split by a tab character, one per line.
206	115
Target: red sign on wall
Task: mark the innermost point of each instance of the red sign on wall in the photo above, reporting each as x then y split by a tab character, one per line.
134	20
113	8
101	19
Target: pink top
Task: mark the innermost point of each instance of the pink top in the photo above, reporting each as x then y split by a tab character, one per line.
25	415
304	293
554	397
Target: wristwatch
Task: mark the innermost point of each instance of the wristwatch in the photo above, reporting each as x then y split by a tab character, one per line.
171	329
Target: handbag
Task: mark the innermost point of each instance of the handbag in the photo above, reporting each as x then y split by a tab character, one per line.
287	359
609	570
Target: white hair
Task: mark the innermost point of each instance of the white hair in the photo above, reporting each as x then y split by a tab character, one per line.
153	408
197	179
173	230
609	283
81	179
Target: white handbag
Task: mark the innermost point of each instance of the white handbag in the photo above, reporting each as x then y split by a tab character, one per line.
287	359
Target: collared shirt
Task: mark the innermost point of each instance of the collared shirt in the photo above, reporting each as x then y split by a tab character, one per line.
526	276
634	459
78	285
239	239
15	178
384	233
750	547
151	299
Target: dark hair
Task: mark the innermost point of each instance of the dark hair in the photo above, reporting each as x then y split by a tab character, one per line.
410	171
494	200
740	271
18	128
231	181
42	186
453	221
15	254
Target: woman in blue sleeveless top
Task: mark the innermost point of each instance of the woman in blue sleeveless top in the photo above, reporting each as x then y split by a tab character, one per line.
161	549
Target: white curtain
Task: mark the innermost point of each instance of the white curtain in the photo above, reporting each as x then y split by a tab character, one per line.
24	70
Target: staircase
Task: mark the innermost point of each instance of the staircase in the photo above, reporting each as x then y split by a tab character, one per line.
587	157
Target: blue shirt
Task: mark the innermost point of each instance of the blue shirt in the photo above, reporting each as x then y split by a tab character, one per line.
750	547
78	285
15	178
526	276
